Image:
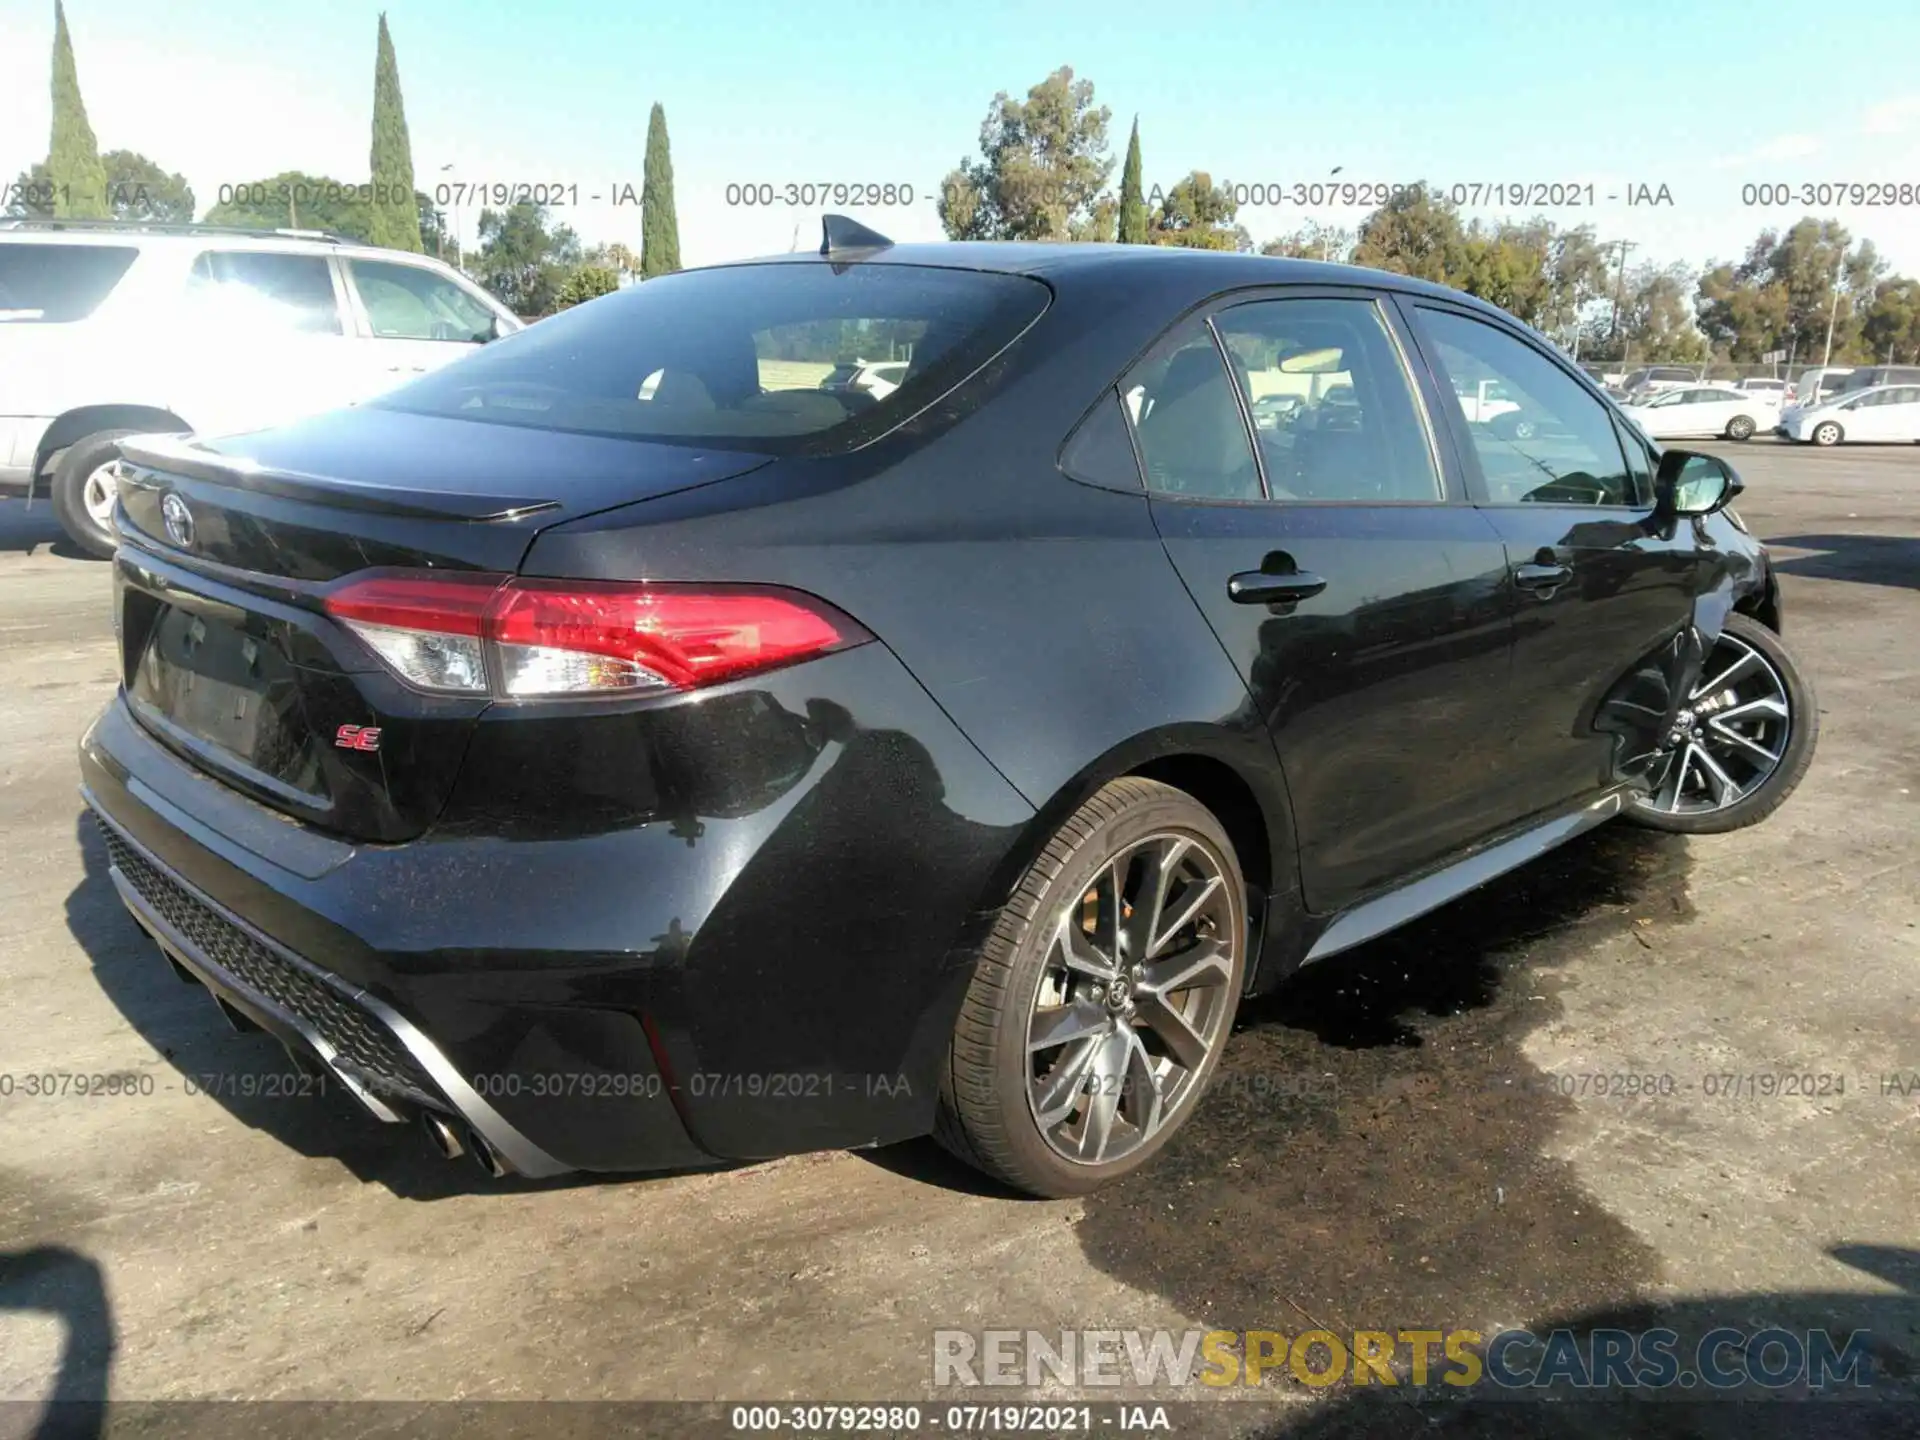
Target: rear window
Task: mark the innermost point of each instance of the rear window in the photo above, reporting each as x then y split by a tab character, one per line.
56	284
749	357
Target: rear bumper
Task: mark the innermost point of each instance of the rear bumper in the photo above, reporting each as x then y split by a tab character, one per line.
665	994
379	1058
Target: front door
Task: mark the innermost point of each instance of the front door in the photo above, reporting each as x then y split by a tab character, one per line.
414	320
1603	597
1365	606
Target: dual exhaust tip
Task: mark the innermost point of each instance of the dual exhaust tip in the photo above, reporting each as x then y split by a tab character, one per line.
450	1143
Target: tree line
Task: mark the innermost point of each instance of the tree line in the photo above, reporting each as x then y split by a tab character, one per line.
1043	168
531	262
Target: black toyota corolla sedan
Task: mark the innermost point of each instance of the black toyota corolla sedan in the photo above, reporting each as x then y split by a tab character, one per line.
627	748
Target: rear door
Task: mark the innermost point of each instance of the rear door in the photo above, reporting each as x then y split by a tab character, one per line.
1363	602
1600	594
1903	414
1713	410
264	338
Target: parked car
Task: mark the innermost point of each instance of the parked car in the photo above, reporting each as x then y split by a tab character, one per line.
611	784
878	378
1486	400
1780	390
1884	413
109	329
1273	412
1652	380
1704	411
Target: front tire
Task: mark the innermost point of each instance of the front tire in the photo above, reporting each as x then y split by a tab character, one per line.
1102	998
1743	742
83	493
1827	432
1740	428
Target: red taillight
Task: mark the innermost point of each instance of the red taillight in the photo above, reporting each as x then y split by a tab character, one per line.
477	633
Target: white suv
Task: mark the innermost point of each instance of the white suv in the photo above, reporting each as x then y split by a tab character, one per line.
108	330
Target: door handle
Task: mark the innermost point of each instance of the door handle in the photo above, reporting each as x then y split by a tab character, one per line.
1263	587
1535	575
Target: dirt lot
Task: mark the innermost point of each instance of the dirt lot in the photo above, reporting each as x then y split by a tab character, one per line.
1404	1139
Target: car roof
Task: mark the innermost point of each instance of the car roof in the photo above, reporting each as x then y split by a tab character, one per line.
313	242
1172	269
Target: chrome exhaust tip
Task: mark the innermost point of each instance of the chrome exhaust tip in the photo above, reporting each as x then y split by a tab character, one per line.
485	1157
442	1136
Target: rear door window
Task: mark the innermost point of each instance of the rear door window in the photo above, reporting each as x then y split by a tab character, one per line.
260	291
58	284
764	357
1357	434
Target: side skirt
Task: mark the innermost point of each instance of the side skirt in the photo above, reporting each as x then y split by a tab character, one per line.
1387	912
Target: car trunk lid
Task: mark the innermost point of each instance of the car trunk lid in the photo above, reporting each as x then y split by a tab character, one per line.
228	654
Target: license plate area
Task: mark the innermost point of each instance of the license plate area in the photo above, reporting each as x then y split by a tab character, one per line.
205	682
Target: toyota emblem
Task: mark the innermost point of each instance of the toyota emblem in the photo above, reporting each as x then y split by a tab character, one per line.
179	521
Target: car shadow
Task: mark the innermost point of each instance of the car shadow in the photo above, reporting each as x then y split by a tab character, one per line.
1329	1051
250	1075
26	528
1886	1405
1373	1147
1865	559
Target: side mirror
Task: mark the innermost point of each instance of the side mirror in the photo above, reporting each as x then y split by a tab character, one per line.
1690	483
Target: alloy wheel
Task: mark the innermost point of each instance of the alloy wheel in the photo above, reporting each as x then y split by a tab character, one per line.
98	493
1729	737
1134	997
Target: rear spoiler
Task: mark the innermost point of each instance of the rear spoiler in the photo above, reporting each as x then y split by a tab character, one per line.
147	458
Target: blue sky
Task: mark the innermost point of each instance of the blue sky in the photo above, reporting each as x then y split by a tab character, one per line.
1702	98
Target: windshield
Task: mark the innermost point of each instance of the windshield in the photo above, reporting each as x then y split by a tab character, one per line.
749	357
57	284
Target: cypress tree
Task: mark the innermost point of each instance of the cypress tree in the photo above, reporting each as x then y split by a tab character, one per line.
1133	206
396	214
659	227
74	168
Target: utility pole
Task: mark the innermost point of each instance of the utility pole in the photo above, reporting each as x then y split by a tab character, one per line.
459	249
1833	313
1620	283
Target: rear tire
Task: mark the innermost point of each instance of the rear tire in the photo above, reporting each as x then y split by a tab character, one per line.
1734	736
1827	432
1740	428
1024	1104
80	486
